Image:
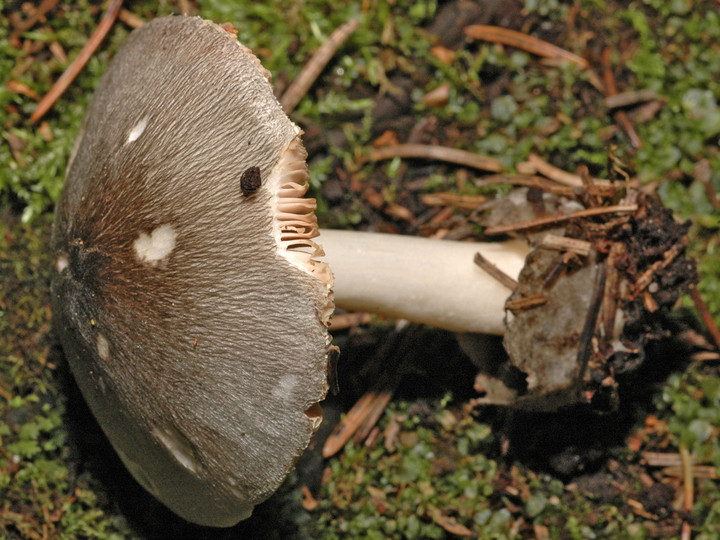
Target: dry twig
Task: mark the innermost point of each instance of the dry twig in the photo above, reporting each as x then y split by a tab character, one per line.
688	489
448	523
129	18
552	220
564	243
76	67
612	282
627	99
370	405
439	153
379	404
526	302
495	272
496	34
600	188
621	117
302	83
558	175
525	180
468	202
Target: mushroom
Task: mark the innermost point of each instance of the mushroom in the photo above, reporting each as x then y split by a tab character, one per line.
185	294
188	292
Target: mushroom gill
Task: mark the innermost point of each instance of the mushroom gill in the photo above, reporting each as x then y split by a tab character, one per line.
295	223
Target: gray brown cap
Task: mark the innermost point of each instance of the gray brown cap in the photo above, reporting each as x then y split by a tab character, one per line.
186	292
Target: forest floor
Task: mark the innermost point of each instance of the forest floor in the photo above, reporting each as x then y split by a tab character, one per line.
438	464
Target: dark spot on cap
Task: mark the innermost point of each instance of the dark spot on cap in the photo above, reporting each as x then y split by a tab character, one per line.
250	181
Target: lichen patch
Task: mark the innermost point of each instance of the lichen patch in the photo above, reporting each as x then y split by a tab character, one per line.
157	246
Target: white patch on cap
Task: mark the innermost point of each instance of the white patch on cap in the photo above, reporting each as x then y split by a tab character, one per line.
103	347
178	445
61	263
137	130
285	386
157	246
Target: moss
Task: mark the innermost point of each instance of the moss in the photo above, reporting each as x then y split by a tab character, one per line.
40	493
502	102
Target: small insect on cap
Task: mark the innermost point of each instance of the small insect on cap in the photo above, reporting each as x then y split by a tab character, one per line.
185	290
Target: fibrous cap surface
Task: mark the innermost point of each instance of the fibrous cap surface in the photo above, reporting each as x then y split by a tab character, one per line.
192	313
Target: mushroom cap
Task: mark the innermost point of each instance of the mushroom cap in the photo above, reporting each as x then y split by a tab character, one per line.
190	308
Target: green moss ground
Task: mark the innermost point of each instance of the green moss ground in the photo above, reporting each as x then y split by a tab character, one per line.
447	471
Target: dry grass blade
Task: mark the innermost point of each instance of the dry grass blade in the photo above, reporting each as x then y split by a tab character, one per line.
552	220
526	180
627	99
132	20
688	488
314	67
468	202
705	356
439	153
552	172
17	87
621	117
344	431
76	67
496	34
451	525
370	405
379	404
600	188
609	307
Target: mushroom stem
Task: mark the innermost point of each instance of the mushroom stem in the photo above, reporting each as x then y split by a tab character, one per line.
423	280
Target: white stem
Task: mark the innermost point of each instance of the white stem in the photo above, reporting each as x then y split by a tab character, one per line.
429	281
